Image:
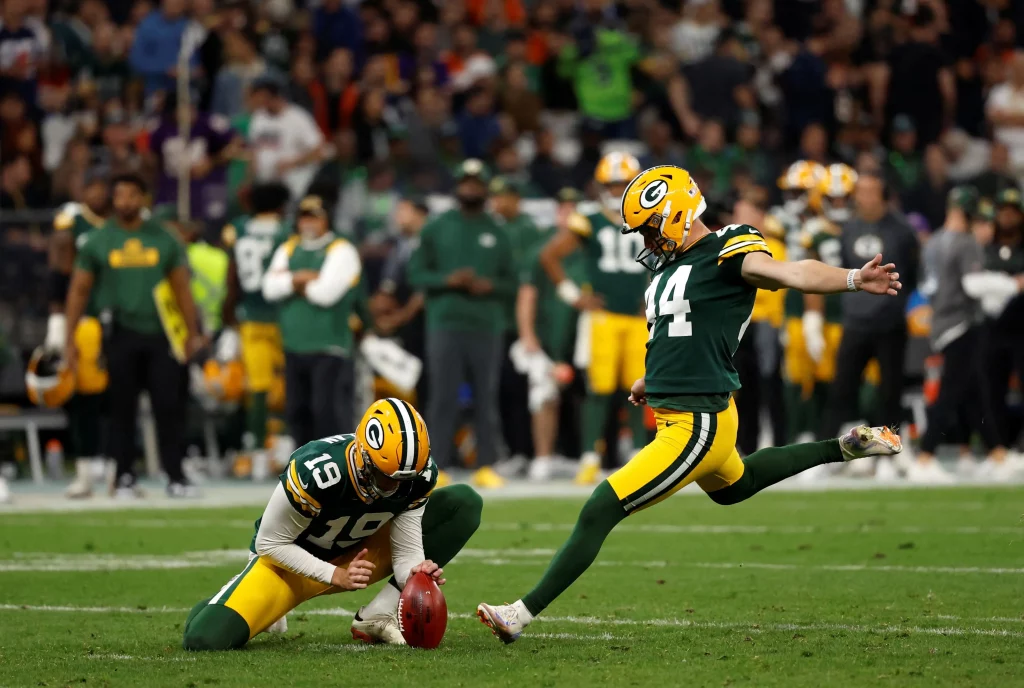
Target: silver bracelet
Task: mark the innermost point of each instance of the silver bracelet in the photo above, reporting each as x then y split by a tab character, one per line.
850	284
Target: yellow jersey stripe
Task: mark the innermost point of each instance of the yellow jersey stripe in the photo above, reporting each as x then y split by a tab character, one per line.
743	237
731	249
751	247
297	500
293	474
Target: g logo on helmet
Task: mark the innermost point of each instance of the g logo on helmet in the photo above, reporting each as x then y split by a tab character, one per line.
374	433
652	195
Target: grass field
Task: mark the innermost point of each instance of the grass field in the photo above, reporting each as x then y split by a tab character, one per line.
890	588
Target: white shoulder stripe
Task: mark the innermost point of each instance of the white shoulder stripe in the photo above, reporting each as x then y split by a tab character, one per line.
743	244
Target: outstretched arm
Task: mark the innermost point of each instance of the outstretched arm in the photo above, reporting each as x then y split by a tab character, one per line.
813	277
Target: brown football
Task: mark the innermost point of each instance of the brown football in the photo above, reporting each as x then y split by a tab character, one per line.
422	612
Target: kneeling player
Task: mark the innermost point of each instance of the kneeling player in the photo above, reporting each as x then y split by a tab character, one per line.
351	510
698	305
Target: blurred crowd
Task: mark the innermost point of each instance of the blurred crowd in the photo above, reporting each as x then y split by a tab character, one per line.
366	121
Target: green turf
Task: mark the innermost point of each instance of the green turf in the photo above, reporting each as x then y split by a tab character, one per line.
908	588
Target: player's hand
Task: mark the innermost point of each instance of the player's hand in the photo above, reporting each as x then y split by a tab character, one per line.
356	576
194	344
876	278
300	278
481	286
589	302
460	279
638	393
431	569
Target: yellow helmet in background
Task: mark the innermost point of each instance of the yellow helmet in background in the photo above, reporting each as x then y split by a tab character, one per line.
615	170
48	380
835	189
799	185
661	203
392	445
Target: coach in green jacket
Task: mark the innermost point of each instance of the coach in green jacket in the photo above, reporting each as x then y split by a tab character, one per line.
466	269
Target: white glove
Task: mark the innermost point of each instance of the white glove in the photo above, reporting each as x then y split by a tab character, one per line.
814	334
391	362
56	333
229	345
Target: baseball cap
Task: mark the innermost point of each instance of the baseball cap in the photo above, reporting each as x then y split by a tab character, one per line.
312	205
1009	196
473	168
506	185
964	197
902	124
986	209
568	195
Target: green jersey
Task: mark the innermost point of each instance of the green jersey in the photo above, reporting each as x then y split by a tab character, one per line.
78	219
612	270
318	482
555	320
252	242
825	245
129	264
698	307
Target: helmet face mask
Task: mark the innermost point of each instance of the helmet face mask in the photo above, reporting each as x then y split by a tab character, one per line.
374	481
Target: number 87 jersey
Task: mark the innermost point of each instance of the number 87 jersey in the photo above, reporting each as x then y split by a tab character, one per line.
698	307
320	483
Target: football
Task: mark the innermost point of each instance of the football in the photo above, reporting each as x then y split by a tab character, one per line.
422	612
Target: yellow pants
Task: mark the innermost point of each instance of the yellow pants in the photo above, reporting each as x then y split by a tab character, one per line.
91	376
618	345
262	354
800	369
264	592
689	447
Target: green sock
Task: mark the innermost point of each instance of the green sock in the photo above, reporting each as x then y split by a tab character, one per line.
214	627
600	514
774	464
452	516
635	417
256	418
595	415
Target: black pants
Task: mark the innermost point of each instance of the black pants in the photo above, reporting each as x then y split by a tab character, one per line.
514	402
857	348
1003	354
138	362
319	391
758	362
963	391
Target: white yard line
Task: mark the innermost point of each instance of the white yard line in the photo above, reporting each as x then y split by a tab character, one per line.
50	562
750	626
726	529
135	658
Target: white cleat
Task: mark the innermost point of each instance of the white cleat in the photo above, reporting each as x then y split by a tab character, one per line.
374	630
503	621
997	471
279	626
864	441
967	467
929	472
541	469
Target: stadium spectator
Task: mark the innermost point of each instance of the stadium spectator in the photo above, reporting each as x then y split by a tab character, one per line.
997	176
479	129
24	45
464	266
337	25
930	194
545	171
723	82
968	156
286	143
158	40
243	66
312	276
904	164
661	149
143	274
1005	111
876	329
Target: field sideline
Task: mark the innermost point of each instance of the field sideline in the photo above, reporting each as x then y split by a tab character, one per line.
838	588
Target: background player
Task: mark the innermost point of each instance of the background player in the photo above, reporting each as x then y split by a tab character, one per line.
250	321
613	329
699	305
85	409
351	510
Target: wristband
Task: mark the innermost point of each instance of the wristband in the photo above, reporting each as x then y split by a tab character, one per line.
850	282
568	292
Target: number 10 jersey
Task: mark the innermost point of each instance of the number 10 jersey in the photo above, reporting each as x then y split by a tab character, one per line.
318	481
698	307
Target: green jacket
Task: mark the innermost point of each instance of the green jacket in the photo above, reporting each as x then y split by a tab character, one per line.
453	241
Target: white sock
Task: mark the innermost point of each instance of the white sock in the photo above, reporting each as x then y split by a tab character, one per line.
385	603
525	617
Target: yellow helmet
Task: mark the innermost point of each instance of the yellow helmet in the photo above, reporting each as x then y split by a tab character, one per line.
799	185
614	168
392	445
661	203
835	189
48	380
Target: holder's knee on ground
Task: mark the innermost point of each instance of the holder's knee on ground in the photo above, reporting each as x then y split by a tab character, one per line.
214	627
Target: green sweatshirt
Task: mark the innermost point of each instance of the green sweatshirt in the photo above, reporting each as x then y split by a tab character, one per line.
453	241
